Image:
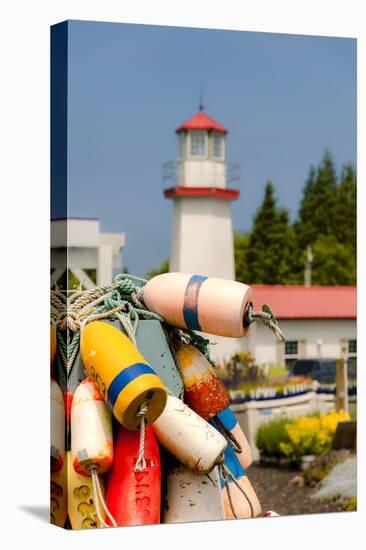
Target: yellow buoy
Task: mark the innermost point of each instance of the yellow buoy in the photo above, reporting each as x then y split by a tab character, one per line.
81	506
58	496
123	376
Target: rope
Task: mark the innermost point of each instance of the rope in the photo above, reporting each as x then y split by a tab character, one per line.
226	472
97	494
267	319
230	438
94	477
226	483
141	462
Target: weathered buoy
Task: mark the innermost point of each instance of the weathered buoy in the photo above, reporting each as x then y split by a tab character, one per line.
204	391
134	496
206	304
152	343
123	376
226	419
57	427
53	342
188	437
58	496
243	502
193	497
80	500
91	430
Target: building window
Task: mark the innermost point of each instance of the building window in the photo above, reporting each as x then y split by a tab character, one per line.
352	347
291	353
291	347
217	146
197	144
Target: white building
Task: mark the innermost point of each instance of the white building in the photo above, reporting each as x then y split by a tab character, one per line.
318	321
78	245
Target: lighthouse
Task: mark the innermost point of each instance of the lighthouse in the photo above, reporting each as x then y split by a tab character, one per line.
202	234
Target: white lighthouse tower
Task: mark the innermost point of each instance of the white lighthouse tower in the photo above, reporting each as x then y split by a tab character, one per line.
202	235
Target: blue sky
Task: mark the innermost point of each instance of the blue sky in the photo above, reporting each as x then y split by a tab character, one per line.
284	99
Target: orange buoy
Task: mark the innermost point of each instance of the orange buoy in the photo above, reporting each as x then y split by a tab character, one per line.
53	343
133	496
124	378
57	427
204	391
241	507
239	497
91	430
206	304
188	437
226	419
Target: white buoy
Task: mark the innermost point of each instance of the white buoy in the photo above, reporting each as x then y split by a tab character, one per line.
91	430
188	437
193	497
206	304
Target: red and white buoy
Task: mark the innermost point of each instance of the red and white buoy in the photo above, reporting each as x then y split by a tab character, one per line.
133	493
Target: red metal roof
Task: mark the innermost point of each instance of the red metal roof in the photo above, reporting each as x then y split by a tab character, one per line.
218	192
201	121
299	302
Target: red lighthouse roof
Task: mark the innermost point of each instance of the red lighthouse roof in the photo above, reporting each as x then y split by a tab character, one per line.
201	121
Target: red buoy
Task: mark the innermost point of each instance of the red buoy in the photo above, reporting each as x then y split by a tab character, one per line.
133	497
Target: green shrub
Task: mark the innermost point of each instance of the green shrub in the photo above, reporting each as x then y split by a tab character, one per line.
269	436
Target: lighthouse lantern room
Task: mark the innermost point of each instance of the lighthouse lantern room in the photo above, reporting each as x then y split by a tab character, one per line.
202	235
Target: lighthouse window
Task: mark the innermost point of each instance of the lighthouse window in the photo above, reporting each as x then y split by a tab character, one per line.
217	145
198	144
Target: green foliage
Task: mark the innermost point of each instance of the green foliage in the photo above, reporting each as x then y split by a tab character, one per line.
319	201
295	437
334	263
269	436
276	371
273	252
350	504
164	268
270	243
241	245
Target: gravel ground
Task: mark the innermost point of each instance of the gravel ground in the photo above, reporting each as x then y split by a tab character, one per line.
276	492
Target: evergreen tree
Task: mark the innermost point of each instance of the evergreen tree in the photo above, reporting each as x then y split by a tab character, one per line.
345	214
241	244
318	204
327	221
270	243
334	263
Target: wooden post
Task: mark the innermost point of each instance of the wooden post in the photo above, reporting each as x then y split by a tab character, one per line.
342	383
